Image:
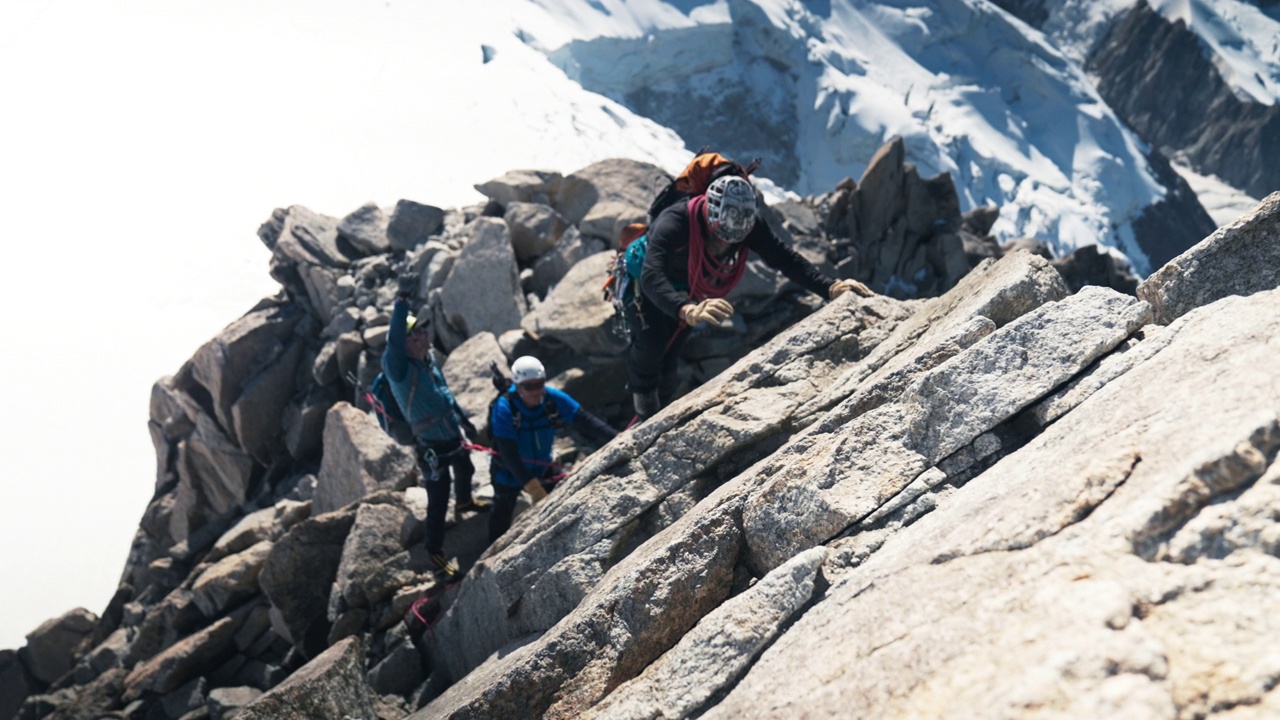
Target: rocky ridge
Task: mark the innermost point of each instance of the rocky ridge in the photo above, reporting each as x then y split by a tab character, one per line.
903	490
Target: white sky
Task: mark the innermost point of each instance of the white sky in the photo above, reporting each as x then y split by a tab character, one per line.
142	144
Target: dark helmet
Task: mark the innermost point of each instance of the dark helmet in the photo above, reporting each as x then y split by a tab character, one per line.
731	208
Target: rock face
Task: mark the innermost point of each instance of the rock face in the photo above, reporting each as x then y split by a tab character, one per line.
1018	492
1154	74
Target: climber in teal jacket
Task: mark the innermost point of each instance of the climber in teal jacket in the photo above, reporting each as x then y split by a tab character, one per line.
438	423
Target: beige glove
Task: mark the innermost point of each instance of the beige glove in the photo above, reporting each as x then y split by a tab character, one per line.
841	287
535	490
707	311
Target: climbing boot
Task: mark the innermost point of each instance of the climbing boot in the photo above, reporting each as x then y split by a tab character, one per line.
646	404
475	505
443	568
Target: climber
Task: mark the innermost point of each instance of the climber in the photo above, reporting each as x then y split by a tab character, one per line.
523	422
438	423
696	252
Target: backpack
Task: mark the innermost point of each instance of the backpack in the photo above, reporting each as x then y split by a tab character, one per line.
387	410
624	271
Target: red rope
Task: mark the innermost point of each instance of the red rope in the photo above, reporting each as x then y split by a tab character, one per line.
708	277
491	451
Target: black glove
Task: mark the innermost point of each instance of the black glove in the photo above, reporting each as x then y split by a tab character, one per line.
407	286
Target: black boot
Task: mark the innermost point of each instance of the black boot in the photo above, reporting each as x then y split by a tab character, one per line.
646	404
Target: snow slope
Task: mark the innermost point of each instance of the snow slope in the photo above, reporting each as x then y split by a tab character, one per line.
821	85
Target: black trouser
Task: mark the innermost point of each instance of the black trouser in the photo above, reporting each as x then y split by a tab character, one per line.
451	462
503	510
653	353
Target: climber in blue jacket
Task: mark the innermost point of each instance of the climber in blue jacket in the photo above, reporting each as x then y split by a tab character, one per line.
523	422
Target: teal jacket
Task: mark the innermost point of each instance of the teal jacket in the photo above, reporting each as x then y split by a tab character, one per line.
419	388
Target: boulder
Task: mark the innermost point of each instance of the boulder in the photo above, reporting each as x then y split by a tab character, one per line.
359	457
297	575
52	648
330	686
552	266
530	186
375	539
412	223
14	687
225	702
214	475
482	292
1239	259
185	660
467	372
535	229
227	364
366	230
298	236
573	312
717	651
230	581
604	197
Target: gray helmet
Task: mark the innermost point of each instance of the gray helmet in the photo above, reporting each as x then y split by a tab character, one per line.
731	208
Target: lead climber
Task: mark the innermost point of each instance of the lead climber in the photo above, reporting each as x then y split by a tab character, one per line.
437	421
523	422
695	253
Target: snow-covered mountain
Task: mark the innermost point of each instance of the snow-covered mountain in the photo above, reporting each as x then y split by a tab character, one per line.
815	87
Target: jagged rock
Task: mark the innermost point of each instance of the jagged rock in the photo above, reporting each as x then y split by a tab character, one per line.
169	620
467	371
412	223
536	573
229	581
249	531
303	422
1239	259
711	656
225	702
482	292
1091	265
330	686
51	648
535	229
366	229
213	479
613	632
604	197
297	574
531	186
14	687
228	365
375	539
556	263
112	652
573	312
80	703
184	660
1105	501
399	673
189	697
359	457
298	236
1156	77
876	455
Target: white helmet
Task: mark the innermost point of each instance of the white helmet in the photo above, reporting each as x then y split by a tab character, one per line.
527	368
731	208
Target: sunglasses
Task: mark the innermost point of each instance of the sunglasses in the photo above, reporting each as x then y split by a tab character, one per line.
532	385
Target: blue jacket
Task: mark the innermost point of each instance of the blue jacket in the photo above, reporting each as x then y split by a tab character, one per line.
419	388
536	434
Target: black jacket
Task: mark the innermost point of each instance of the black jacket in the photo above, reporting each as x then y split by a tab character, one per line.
666	261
